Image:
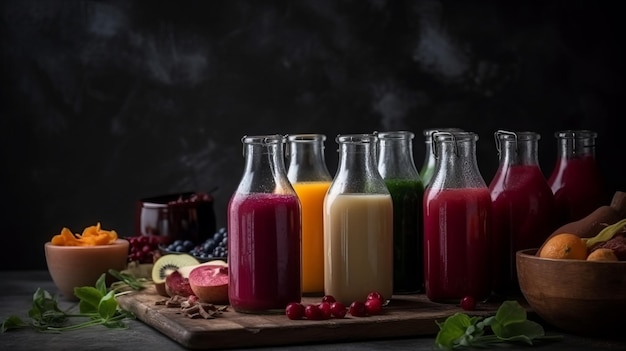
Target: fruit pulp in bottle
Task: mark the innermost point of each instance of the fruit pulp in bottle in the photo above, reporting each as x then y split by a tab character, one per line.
357	232
523	217
311	196
577	186
408	263
264	252
456	243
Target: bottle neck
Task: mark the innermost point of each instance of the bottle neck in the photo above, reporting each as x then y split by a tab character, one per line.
357	172
264	170
576	144
456	165
395	155
517	148
306	158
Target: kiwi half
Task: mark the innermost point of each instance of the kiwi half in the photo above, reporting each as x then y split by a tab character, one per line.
169	263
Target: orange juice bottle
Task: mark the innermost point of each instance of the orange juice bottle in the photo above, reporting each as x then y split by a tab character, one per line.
310	179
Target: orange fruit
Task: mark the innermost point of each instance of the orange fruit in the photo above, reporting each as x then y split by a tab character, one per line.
602	254
565	246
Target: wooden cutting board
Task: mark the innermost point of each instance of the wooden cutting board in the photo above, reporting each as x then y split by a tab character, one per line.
406	315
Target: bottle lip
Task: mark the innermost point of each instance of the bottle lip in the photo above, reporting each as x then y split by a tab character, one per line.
516	135
306	137
429	132
263	139
451	136
356	138
575	134
395	134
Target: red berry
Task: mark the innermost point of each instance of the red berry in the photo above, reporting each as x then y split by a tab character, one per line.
375	295
338	309
325	308
468	303
357	309
294	310
374	306
313	312
328	298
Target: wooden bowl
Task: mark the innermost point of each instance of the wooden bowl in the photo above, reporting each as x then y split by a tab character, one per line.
580	297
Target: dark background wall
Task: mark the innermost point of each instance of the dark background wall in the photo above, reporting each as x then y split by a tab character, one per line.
106	102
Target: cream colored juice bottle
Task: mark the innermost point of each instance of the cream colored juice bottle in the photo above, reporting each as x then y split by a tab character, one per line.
358	225
359	254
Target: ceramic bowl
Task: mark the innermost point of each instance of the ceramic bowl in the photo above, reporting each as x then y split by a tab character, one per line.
576	296
76	266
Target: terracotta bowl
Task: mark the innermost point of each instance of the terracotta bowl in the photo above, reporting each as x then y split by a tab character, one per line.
579	297
76	266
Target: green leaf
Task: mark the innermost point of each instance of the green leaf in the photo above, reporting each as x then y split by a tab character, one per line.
453	328
510	312
13	322
101	284
89	298
108	306
509	325
45	310
527	328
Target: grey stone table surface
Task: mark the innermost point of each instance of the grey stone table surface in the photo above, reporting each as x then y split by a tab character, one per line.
17	288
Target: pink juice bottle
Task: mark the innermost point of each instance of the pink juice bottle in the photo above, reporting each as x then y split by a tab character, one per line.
264	232
576	182
457	223
524	212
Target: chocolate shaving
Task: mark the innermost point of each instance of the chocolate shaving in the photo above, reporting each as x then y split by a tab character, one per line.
192	308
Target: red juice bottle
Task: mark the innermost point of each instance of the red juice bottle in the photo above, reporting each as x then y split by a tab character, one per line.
264	232
457	222
576	181
524	212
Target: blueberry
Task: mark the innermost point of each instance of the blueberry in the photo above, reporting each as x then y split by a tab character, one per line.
208	245
217	236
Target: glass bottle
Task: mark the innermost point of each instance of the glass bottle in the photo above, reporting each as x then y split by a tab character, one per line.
576	182
428	167
264	231
397	167
523	207
310	178
457	222
358	225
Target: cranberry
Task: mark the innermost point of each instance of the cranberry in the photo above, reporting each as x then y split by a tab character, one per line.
325	307
313	312
375	295
338	309
295	310
468	303
374	306
358	309
328	298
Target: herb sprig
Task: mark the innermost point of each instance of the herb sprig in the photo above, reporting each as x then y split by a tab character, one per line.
97	306
509	325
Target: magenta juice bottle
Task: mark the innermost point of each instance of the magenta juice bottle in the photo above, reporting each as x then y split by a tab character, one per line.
264	261
524	212
457	222
264	232
576	181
